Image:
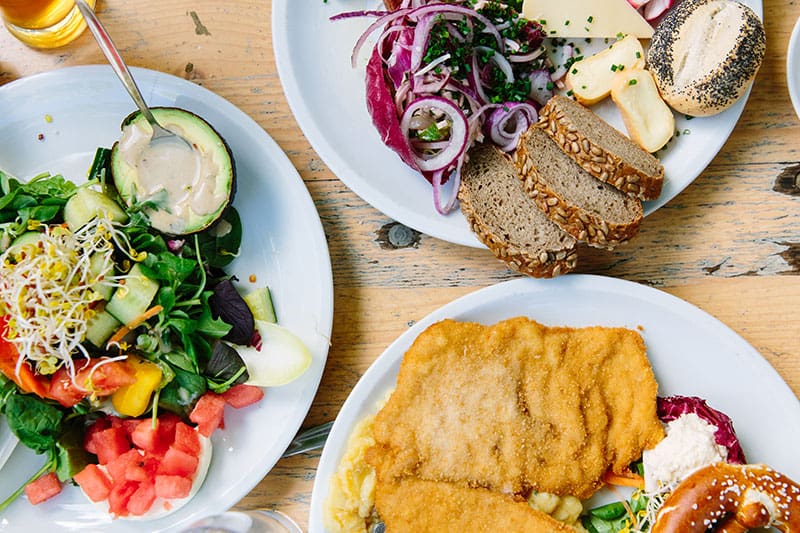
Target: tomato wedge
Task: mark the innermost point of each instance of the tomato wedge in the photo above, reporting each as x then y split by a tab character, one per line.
26	379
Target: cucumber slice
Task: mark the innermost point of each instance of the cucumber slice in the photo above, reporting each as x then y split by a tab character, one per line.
129	302
260	303
29	237
86	204
100	327
104	288
282	358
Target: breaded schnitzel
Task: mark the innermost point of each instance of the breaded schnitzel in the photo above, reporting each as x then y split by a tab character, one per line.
419	506
516	407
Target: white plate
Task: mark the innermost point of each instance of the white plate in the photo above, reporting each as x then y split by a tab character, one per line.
283	247
327	97
691	352
793	67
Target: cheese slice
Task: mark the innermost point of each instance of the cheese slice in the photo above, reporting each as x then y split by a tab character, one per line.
587	18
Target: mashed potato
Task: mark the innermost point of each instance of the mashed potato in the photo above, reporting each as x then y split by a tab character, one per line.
351	495
565	509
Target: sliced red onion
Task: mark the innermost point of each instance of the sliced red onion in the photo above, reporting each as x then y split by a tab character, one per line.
432	65
559	59
442	9
499	60
382	21
458	132
656	8
541	86
438	180
422	33
507	122
525	58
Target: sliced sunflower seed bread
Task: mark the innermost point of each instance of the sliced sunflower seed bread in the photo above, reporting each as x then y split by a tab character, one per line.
600	149
583	206
506	220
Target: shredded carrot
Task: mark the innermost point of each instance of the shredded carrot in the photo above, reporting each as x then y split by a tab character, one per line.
133	324
625	479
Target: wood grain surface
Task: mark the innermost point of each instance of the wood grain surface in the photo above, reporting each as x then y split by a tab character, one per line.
729	244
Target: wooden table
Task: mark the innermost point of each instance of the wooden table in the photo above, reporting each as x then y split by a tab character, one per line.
729	244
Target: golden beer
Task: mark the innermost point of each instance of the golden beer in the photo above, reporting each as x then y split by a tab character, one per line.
43	23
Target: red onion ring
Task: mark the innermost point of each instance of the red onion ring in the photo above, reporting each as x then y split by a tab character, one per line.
459	130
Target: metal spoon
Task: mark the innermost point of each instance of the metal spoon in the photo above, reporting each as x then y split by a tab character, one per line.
160	133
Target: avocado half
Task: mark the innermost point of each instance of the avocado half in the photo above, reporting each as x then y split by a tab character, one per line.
197	187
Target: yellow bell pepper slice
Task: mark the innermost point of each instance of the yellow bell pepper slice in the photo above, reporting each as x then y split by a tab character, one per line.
134	399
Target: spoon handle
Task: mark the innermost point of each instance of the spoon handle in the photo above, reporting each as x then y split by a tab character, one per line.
114	57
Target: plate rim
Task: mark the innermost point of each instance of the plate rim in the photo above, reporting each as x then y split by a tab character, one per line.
392	354
435	227
793	67
156	80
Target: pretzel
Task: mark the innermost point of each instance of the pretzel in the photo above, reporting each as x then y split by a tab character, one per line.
731	498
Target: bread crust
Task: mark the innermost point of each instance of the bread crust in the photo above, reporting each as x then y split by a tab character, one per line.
600	163
575	220
672	52
547	264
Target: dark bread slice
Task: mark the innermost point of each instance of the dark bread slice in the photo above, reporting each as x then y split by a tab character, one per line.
586	208
600	149
506	220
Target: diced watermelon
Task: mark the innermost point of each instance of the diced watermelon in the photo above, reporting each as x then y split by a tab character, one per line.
186	439
128	424
94	482
120	495
109	444
89	443
142	470
172	486
208	413
118	468
43	488
178	463
242	395
148	438
141	500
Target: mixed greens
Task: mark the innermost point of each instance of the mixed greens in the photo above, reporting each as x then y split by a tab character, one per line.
100	313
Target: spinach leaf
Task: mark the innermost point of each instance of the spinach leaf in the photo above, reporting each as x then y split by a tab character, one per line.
71	457
220	243
36	424
180	394
225	368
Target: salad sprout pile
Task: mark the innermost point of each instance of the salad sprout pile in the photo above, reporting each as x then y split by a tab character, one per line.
55	280
444	75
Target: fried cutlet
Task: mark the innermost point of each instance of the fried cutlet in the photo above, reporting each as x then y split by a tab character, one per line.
436	506
518	406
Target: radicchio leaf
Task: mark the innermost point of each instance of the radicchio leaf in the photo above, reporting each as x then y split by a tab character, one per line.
672	407
381	107
227	305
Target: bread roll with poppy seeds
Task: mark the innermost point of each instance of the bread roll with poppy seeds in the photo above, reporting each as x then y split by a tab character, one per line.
507	221
705	53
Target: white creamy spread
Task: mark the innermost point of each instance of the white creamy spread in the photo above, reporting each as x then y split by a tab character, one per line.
689	445
171	174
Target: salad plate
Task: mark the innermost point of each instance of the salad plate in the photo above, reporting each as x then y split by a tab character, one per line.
53	122
691	352
313	52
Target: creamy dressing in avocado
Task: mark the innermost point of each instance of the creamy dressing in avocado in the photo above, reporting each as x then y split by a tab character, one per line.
169	174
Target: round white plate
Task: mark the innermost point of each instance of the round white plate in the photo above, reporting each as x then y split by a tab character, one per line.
691	352
328	99
793	67
283	246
